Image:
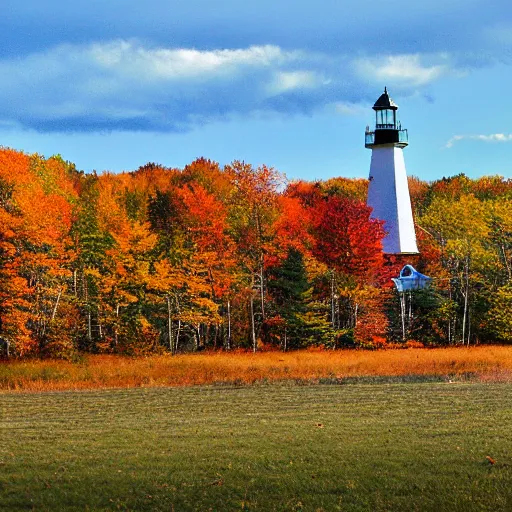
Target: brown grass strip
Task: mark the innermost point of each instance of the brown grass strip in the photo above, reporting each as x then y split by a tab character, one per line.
484	363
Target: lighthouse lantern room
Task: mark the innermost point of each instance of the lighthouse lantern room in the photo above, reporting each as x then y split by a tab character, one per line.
388	190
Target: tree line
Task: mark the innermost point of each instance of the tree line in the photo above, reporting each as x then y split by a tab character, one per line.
210	257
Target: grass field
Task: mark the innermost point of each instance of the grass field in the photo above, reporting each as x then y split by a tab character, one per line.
485	363
397	447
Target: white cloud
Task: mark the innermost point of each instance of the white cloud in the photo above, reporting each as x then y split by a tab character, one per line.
493	137
161	63
402	70
290	80
126	85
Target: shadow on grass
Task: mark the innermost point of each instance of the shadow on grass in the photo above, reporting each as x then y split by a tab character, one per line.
363	379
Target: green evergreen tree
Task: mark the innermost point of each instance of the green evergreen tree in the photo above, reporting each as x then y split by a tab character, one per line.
296	320
91	244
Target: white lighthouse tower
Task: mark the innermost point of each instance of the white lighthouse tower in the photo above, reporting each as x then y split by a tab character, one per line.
388	190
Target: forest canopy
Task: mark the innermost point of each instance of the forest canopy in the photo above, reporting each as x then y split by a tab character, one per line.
211	257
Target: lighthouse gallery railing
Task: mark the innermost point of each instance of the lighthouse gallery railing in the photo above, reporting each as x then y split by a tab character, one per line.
400	136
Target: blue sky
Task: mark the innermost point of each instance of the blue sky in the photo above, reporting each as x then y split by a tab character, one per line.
113	84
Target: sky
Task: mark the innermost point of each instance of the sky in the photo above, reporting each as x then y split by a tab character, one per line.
114	84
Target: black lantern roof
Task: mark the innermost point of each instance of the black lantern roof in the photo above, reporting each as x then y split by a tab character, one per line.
385	102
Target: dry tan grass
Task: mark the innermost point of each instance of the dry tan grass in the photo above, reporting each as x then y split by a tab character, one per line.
489	363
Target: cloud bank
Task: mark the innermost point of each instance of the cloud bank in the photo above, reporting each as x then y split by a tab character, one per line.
127	85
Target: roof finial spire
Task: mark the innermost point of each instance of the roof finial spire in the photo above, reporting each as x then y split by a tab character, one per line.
385	90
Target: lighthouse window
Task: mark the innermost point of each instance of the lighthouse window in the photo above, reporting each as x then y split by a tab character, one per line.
390	118
385	118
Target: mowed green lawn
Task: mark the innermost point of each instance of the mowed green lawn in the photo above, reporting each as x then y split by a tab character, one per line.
414	446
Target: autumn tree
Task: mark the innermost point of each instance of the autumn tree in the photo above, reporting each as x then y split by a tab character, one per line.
36	196
461	230
252	212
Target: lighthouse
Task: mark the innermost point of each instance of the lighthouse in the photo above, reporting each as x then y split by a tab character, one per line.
388	190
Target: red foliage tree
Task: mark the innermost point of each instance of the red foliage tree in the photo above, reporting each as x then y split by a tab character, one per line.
346	238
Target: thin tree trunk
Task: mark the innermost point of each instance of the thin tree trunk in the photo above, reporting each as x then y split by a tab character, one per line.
179	324
89	325
469	324
100	326
169	324
333	316
337	309
402	313
466	300
54	312
450	319
198	335
177	337
229	326
467	303
253	328
262	294
117	322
